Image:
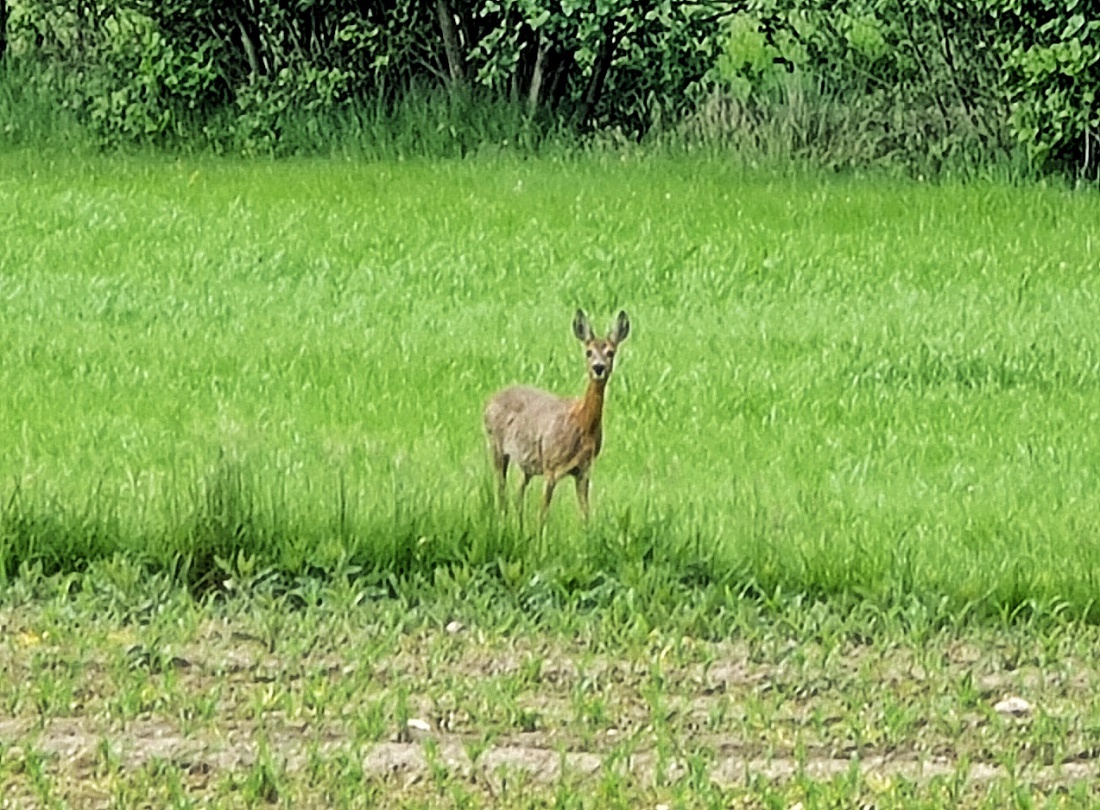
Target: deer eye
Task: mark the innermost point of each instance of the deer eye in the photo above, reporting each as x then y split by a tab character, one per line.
587	352
610	353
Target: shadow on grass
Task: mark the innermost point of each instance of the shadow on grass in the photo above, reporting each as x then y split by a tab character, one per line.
235	530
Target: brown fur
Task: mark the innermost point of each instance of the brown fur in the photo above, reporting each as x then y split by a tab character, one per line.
544	434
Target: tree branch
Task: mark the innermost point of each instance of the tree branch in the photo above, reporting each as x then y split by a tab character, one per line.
249	49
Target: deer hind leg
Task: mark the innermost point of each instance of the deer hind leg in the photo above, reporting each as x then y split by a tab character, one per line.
500	464
524	481
548	493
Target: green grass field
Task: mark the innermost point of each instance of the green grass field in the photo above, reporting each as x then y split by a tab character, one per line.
860	389
847	500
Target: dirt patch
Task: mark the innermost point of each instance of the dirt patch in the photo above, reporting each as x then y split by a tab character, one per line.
78	750
99	711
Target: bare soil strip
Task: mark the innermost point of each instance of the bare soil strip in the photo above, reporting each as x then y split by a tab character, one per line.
77	749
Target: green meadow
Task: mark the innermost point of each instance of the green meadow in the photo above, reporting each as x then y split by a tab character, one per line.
847	502
856	389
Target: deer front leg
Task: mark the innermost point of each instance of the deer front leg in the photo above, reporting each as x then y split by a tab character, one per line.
582	494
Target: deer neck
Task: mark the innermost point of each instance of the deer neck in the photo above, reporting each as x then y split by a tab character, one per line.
589	409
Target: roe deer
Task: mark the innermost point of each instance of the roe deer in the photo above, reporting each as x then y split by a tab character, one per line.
553	436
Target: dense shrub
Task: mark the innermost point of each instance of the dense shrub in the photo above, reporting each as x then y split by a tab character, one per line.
146	69
932	77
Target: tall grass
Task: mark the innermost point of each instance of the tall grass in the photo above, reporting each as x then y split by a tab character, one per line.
33	117
420	122
427	123
798	124
869	391
800	120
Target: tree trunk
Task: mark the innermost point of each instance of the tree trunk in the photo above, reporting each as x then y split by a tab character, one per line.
599	74
559	74
928	78
537	73
456	65
3	28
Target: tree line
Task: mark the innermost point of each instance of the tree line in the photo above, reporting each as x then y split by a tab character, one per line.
924	76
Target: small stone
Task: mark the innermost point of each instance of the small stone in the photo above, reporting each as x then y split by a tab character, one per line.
1015	706
416	724
455	627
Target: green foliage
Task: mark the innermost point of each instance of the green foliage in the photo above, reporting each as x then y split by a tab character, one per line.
748	61
267	105
144	83
139	70
928	85
1053	55
934	79
31	115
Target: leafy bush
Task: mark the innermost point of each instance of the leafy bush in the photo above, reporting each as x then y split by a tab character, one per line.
933	77
1053	57
143	82
146	69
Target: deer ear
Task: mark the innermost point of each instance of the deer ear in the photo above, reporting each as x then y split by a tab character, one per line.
621	330
582	328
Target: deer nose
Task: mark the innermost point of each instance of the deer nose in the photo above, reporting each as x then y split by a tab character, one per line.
598	369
